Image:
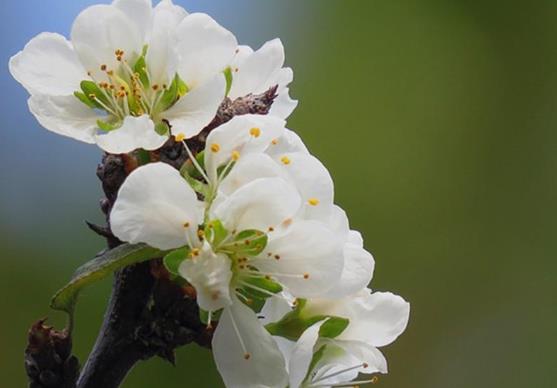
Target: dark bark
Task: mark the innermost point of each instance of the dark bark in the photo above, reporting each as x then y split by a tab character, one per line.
148	314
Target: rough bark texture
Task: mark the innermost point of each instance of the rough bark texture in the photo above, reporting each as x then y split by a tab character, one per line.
148	314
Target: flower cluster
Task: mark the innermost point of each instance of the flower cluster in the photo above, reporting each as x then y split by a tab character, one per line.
250	221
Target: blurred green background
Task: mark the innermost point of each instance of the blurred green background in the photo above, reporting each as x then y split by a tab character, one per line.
438	122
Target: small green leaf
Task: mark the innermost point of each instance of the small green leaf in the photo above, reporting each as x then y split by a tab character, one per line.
143	156
176	90
86	100
215	232
333	327
263	284
228	77
173	260
108	126
99	268
92	89
162	128
189	169
250	242
294	323
140	68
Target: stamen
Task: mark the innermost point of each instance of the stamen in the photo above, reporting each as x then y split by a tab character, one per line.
186	224
285	160
262	290
235	155
328	376
274	142
313	201
215	147
194	161
247	355
179	137
255	132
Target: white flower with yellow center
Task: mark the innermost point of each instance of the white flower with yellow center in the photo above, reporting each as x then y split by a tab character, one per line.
245	242
129	71
320	360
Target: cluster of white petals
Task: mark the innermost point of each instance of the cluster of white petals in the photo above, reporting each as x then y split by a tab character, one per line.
250	222
133	74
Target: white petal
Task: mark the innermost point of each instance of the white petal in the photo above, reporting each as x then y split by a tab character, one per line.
48	65
259	70
283	105
197	108
342	355
249	168
210	274
238	135
239	332
242	53
153	206
98	32
258	205
139	12
161	56
356	273
310	258
302	355
135	132
338	223
313	181
172	14
204	47
65	115
287	143
274	309
377	319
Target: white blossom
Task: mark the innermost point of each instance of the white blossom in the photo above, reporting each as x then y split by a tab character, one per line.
127	71
297	253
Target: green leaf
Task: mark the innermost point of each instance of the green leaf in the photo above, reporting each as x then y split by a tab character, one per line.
317	356
228	77
99	268
189	169
140	68
92	89
195	184
173	260
86	100
250	242
294	323
333	327
177	89
162	128
109	126
215	232
143	156
264	284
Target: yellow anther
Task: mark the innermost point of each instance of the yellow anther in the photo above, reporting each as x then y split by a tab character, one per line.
180	137
110	73
186	224
285	160
255	132
215	147
235	155
195	252
313	201
374	379
274	142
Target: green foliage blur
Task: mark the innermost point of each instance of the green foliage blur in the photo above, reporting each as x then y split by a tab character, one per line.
438	121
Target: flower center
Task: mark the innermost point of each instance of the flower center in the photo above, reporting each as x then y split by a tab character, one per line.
129	90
